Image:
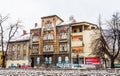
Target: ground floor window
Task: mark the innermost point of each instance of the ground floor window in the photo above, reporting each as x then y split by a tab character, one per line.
48	60
66	59
38	60
78	60
75	61
59	60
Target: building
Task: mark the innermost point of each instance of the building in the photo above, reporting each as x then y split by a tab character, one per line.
18	52
81	42
0	58
58	42
49	45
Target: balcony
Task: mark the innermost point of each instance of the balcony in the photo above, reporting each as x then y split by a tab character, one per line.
48	52
35	53
48	41
77	43
63	40
48	29
76	34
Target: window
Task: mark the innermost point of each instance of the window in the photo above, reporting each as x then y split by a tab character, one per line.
59	60
48	48
10	48
48	26
80	29
78	60
63	46
24	57
63	35
35	38
24	46
75	31
46	60
38	60
81	60
75	61
35	49
50	60
66	59
48	36
18	57
13	48
18	47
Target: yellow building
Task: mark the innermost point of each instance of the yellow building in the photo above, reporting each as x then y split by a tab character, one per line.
18	52
0	57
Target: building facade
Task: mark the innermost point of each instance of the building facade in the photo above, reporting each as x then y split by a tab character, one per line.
57	42
52	42
18	51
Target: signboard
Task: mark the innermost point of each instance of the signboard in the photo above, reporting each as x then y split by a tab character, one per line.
92	60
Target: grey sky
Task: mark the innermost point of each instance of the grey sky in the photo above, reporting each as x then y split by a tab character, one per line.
31	11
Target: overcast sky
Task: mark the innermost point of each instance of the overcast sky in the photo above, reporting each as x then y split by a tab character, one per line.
31	11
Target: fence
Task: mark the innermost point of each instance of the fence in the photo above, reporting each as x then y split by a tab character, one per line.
59	72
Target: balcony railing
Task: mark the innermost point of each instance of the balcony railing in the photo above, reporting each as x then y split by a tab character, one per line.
48	51
76	34
47	29
77	43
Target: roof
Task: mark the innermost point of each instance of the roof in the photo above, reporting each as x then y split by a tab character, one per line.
84	22
21	38
70	23
52	16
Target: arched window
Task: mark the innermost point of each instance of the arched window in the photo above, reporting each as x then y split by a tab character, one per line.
46	60
50	60
38	60
66	59
59	60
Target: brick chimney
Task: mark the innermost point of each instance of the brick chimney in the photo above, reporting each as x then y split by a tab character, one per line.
24	32
36	24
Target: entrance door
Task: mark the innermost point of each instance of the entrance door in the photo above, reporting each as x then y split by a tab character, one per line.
32	61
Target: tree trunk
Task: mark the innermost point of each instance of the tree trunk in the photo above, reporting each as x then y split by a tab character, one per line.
112	63
105	64
3	61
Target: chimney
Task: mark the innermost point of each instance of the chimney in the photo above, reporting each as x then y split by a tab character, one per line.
24	32
36	24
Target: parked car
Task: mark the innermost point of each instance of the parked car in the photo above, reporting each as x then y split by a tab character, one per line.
12	67
25	67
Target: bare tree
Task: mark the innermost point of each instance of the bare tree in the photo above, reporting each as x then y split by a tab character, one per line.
11	31
108	41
